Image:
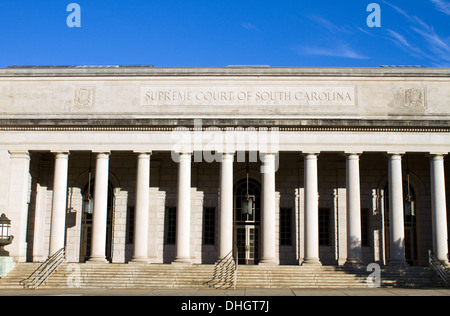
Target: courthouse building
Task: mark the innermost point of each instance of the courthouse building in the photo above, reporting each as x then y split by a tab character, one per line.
283	166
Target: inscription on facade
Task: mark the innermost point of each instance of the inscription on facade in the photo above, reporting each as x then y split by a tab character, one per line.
305	96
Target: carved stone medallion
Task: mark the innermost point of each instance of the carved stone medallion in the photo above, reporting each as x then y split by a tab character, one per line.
84	97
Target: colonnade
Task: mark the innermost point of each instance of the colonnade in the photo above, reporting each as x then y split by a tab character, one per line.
20	163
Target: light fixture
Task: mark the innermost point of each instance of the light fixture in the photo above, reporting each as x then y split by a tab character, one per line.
5	235
248	202
88	199
409	199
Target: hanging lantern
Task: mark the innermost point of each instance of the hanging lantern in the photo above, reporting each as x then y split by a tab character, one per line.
410	208
88	204
409	200
88	199
248	205
5	235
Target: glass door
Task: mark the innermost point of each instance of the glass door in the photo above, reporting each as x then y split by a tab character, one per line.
247	244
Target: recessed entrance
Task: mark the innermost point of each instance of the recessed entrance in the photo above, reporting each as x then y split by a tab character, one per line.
247	221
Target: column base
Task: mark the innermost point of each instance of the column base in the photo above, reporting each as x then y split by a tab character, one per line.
182	261
312	262
97	261
139	261
353	263
268	262
398	264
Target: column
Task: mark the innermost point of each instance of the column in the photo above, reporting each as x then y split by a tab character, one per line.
353	210
141	214
396	211
183	237
58	224
439	208
268	222
98	249
18	197
311	211
226	205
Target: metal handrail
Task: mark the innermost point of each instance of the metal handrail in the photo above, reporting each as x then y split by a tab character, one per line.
45	270
224	272
438	267
236	264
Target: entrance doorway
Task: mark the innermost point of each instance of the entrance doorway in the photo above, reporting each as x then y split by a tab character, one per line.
247	221
86	226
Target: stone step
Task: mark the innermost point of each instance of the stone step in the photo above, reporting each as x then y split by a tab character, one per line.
19	273
197	276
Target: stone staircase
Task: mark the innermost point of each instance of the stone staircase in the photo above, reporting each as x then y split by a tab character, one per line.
333	277
20	272
137	276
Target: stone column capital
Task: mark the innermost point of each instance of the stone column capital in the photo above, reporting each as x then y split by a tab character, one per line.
19	154
61	154
143	153
310	155
394	154
352	155
437	156
228	153
101	152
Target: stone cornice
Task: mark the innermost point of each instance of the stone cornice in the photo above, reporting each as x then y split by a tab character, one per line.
287	125
72	71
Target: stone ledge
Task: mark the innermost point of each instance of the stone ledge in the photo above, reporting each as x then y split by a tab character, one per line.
169	124
241	71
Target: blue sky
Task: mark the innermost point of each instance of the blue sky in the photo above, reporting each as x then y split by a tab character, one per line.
216	33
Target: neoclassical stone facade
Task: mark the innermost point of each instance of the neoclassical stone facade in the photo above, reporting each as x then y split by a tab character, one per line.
184	165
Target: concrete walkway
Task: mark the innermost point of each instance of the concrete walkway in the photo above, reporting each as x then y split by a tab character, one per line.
230	293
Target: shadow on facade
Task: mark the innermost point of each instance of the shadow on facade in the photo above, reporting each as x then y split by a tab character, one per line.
396	274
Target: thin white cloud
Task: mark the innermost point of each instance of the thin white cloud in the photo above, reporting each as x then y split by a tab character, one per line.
401	41
249	26
442	6
399	10
365	31
341	50
437	45
328	25
433	47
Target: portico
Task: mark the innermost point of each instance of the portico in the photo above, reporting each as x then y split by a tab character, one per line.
328	190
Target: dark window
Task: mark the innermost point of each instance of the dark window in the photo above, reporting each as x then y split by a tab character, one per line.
130	226
324	227
365	227
286	227
171	225
209	225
